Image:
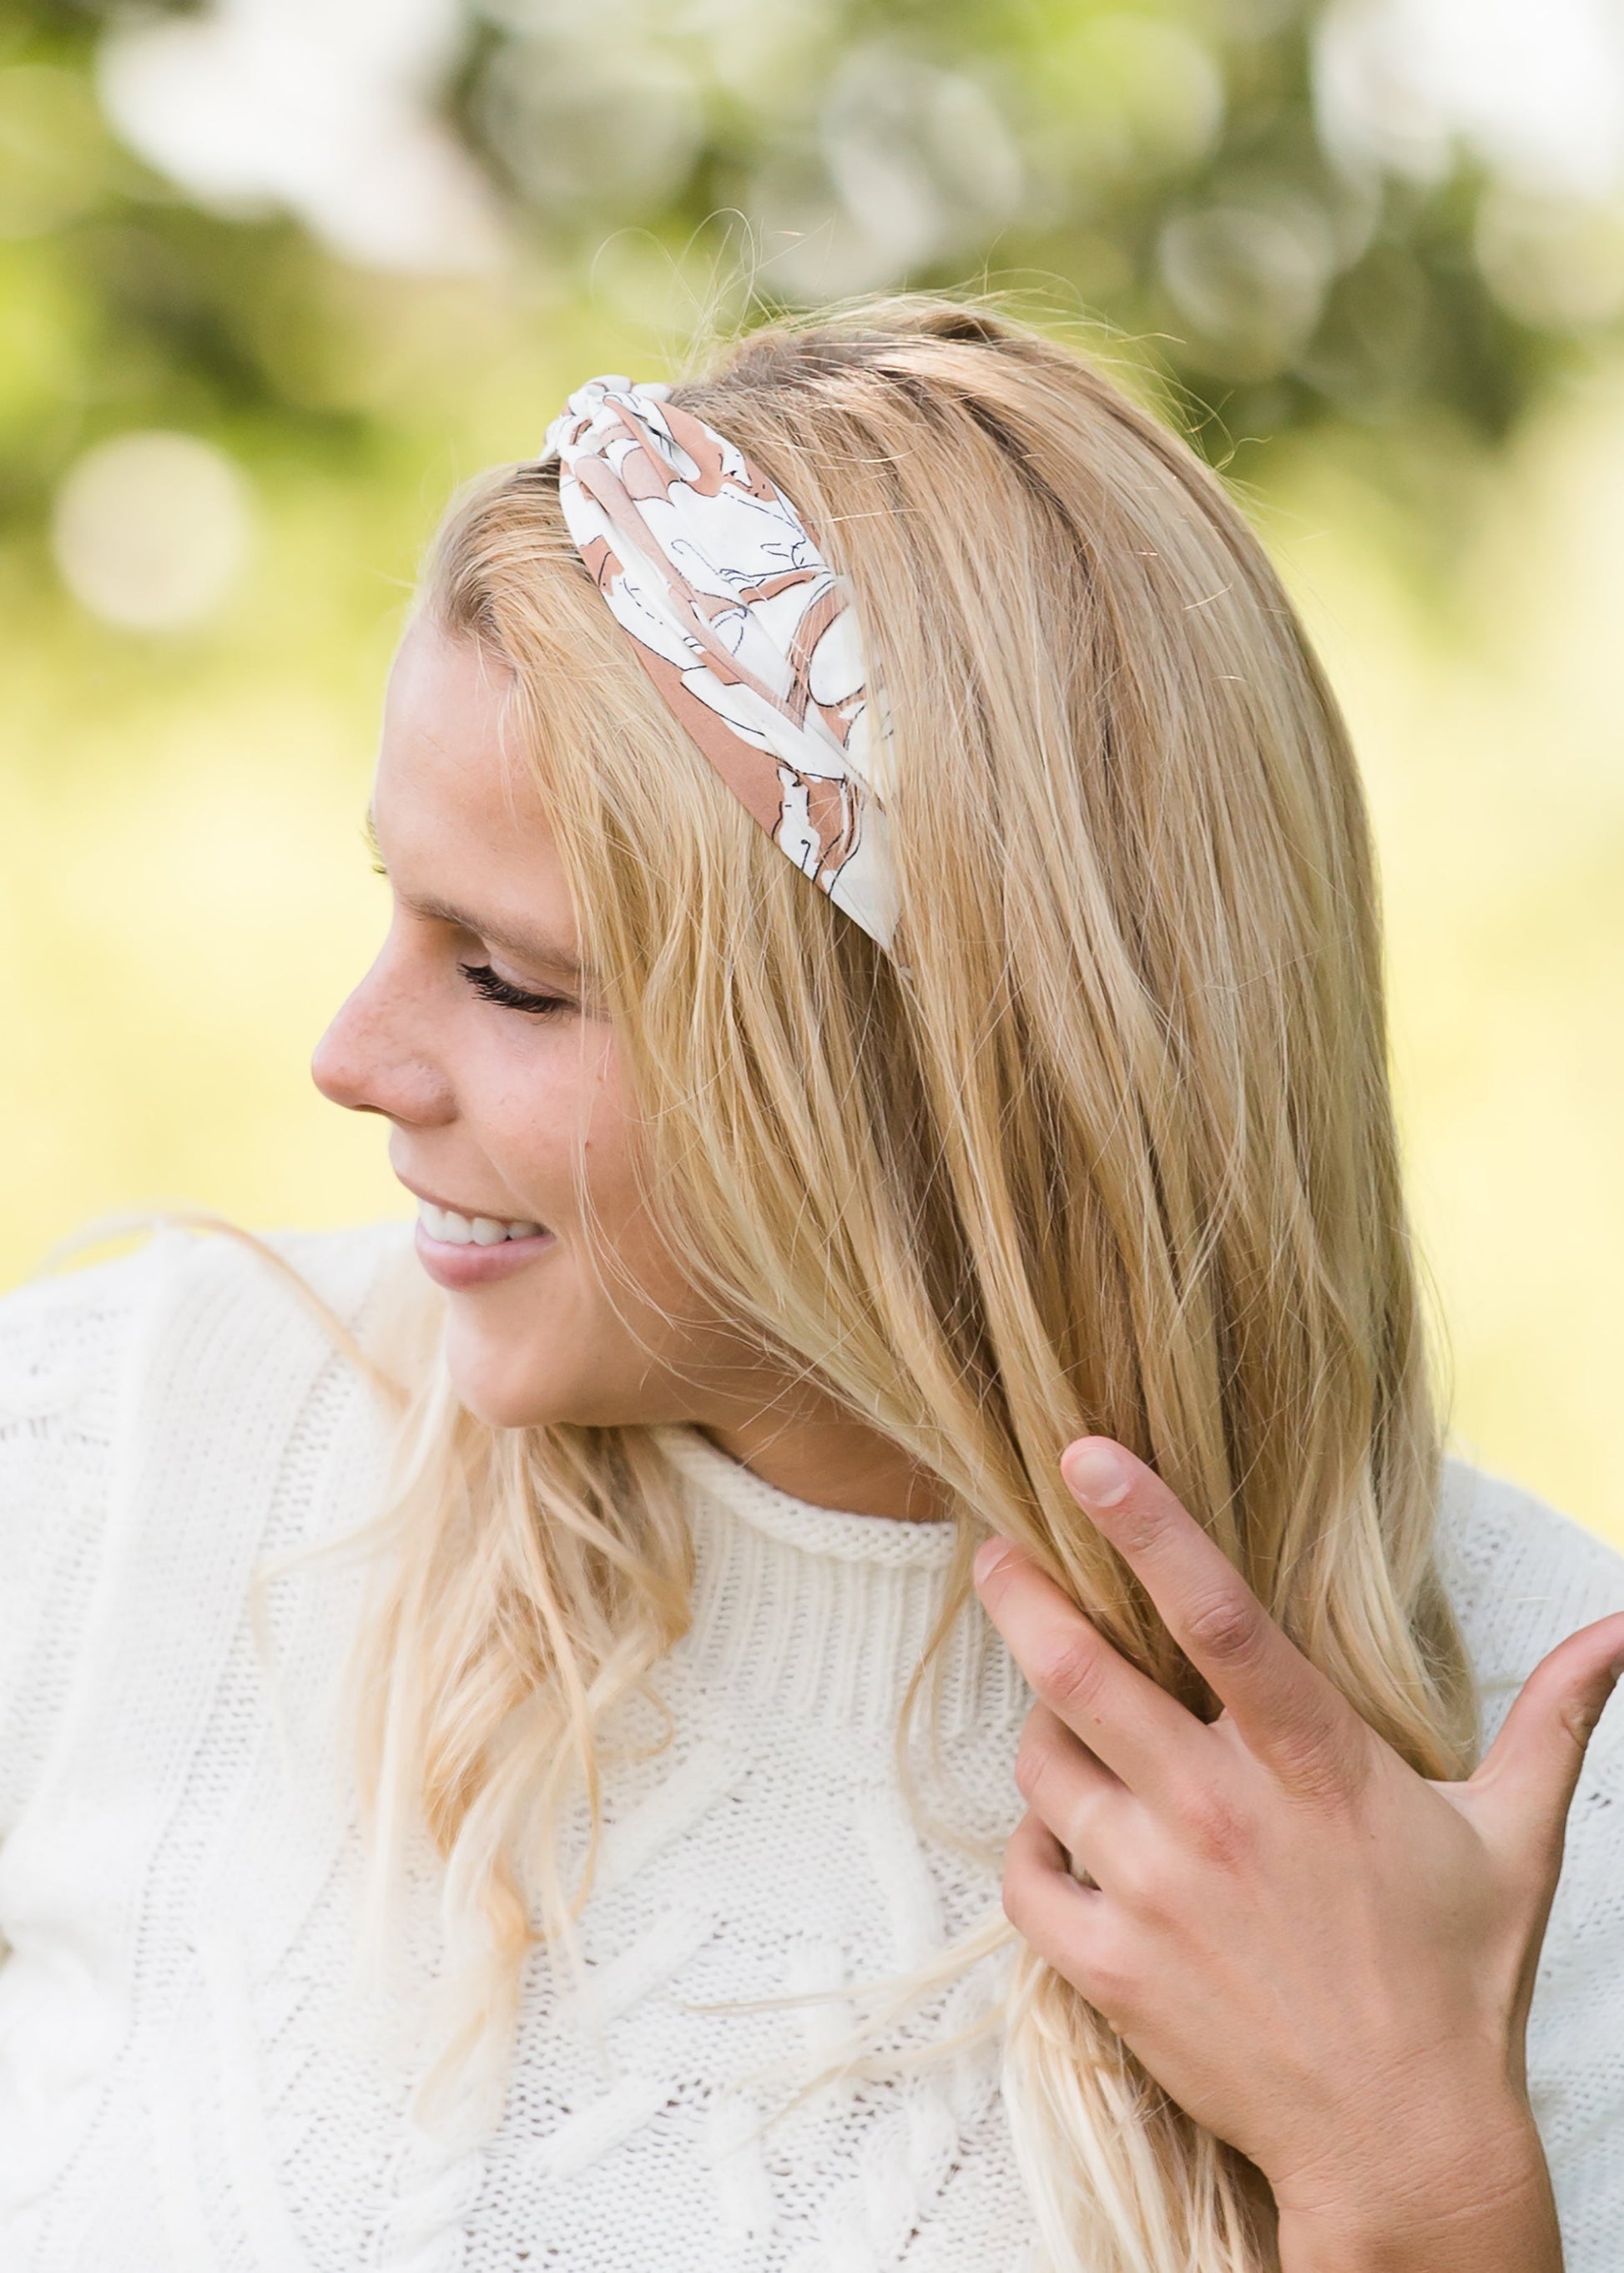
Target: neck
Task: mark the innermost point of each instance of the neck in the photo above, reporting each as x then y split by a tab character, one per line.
830	1460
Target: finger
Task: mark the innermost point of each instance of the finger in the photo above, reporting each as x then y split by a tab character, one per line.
1526	1782
1136	1729
1069	1789
1042	1899
1286	1710
1068	1926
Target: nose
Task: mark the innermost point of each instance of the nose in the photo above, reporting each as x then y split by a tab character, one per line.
372	1059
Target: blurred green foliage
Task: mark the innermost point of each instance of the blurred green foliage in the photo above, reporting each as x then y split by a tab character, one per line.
1161	167
275	274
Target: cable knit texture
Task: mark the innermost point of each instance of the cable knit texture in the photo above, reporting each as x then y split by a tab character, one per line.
193	2079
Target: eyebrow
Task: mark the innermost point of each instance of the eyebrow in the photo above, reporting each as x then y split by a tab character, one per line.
523	946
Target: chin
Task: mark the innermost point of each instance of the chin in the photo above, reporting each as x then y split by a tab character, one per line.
505	1395
501	1410
491	1378
513	1387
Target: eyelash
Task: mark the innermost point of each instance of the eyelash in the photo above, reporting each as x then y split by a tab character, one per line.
491	988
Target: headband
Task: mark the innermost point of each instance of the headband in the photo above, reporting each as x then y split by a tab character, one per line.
747	630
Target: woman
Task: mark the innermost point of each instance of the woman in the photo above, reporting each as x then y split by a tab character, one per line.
782	1222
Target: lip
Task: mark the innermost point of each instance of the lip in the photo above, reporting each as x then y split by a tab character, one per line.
458	1267
455	1266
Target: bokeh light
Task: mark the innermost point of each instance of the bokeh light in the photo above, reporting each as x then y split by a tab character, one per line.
153	531
326	110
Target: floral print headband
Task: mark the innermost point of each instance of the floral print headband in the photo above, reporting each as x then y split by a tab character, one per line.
747	630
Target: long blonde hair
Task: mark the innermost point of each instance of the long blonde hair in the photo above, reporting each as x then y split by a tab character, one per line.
1114	1153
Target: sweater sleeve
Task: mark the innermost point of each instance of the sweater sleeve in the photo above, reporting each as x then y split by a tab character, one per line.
1524	1578
64	1344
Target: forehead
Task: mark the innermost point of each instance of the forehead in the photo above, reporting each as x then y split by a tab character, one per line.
456	810
450	734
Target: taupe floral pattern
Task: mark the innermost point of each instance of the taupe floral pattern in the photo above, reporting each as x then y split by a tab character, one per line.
742	624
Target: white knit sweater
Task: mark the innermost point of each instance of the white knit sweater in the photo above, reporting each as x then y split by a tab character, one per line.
191	2077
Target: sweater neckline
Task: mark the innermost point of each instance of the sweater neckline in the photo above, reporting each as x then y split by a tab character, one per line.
891	1540
812	1614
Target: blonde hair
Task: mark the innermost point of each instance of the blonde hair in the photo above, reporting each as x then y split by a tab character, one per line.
1114	1153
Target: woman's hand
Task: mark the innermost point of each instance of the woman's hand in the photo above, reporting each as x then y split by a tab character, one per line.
1321	1956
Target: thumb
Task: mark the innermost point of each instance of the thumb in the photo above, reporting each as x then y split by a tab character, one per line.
1526	1782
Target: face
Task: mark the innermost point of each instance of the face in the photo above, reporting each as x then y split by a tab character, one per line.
511	1117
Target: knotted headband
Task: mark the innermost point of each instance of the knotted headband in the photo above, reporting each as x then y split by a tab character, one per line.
742	624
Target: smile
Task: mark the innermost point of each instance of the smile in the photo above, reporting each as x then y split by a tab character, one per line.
459	1251
454	1230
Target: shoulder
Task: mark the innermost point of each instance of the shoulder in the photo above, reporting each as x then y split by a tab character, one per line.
184	1367
55	1330
64	1348
58	1335
64	1344
217	1334
262	1281
1521	1578
68	1343
1520	1575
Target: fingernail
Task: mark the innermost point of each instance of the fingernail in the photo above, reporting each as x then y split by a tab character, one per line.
987	1556
1096	1471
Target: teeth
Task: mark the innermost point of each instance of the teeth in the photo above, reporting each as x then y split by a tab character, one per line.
454	1230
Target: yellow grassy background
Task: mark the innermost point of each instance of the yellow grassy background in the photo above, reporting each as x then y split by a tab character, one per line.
183	896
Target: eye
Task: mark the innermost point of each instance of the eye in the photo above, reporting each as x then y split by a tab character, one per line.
492	988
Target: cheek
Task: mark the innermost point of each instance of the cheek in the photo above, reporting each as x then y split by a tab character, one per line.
583	1333
544	1114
